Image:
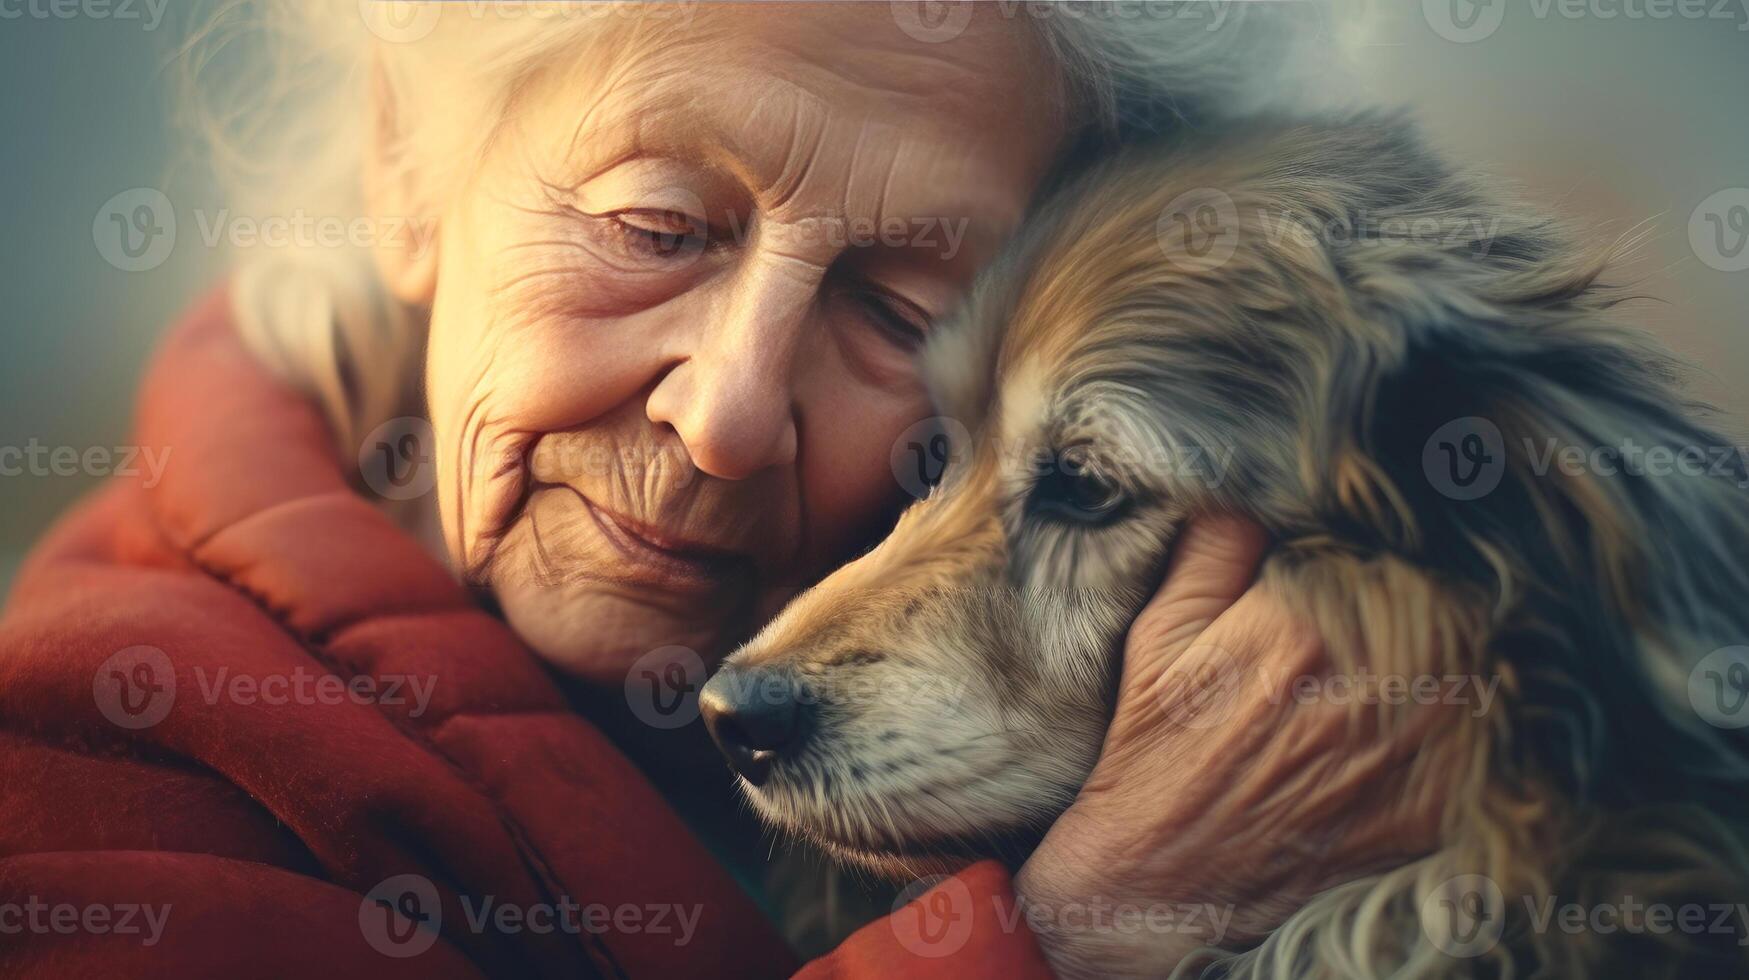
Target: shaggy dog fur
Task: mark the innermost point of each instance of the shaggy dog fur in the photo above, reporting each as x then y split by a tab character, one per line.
1320	325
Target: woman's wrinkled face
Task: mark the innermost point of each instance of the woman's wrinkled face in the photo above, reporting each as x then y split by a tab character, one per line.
675	313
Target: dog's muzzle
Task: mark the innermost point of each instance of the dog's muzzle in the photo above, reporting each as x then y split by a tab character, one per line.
756	716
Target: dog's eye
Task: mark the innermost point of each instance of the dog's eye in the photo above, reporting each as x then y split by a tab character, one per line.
1077	495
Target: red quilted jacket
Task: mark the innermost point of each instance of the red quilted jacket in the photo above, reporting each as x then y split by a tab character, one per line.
204	772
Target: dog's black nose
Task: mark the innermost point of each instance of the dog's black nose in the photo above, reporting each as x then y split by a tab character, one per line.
754	715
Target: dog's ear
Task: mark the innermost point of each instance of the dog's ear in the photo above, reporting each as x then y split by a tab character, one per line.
1485	415
1532	449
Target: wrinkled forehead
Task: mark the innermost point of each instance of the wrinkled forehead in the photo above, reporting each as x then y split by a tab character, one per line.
757	96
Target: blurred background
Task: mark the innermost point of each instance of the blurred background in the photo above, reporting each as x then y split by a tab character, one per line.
1621	113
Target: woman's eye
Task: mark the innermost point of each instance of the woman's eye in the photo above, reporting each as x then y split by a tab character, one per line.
903	322
1077	495
661	234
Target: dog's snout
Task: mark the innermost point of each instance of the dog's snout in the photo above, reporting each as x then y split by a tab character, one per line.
754	716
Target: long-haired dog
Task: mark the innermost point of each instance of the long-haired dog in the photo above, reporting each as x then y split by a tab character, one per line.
1468	470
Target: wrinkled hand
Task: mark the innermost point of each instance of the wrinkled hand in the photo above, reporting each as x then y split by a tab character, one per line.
1218	788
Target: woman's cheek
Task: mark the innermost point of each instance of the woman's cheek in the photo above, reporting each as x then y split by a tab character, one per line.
849	490
862	392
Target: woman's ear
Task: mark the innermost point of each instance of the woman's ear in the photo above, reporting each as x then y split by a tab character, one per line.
406	244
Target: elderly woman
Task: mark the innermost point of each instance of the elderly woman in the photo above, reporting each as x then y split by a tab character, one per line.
329	698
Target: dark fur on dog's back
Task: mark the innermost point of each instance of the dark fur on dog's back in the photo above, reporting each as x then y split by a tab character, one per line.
1376	312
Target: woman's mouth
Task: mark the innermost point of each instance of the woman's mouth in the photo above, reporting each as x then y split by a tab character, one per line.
654	557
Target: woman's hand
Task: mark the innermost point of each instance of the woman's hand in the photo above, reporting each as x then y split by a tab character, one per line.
1225	796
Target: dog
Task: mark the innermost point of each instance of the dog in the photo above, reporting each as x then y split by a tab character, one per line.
1427	399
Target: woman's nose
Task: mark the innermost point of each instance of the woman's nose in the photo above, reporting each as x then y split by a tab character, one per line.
731	398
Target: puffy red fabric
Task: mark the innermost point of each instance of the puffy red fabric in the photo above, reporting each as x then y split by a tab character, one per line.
159	761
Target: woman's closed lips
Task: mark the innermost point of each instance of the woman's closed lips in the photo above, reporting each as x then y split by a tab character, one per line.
652	545
577	537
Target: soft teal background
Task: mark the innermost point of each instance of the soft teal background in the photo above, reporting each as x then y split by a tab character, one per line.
85	112
1617	120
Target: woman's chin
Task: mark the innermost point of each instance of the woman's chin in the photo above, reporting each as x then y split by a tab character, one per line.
597	632
592	615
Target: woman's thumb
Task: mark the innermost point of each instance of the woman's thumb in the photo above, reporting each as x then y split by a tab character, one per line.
1213	562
